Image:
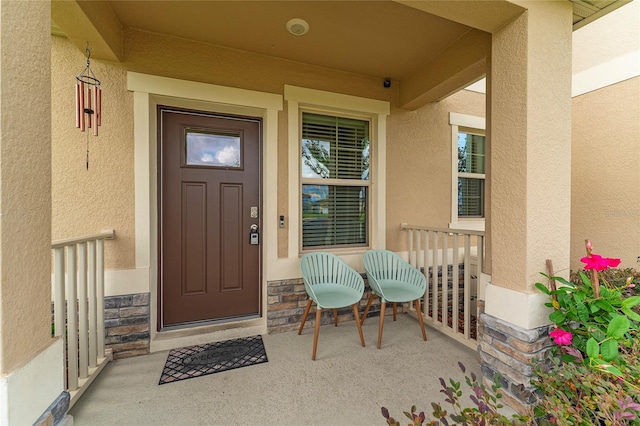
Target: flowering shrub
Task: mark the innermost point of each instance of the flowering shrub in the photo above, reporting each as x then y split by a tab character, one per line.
483	412
599	319
572	393
592	375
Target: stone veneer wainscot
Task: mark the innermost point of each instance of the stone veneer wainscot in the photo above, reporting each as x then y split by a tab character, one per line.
126	321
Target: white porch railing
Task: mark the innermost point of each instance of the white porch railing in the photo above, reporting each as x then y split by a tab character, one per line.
81	286
451	261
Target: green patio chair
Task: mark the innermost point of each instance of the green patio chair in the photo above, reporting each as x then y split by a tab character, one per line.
331	284
393	280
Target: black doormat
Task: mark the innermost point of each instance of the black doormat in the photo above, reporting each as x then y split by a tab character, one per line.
200	360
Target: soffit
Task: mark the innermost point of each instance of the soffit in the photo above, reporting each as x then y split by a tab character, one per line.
378	38
585	11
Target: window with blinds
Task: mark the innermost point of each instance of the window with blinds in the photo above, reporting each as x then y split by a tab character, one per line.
471	174
335	181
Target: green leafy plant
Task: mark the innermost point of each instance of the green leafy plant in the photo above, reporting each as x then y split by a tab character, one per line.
592	376
599	325
573	393
484	411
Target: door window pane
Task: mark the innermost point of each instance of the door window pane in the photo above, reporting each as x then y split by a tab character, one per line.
213	149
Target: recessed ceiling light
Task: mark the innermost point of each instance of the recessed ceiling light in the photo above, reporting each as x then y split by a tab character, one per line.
297	26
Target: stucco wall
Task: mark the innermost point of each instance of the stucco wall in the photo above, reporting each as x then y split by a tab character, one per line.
102	197
25	198
605	201
419	164
109	180
612	36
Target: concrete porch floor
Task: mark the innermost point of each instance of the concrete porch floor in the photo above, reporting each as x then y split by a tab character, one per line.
346	385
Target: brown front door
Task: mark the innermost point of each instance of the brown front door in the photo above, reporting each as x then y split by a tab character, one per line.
209	197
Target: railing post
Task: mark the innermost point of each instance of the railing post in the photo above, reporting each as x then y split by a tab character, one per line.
445	279
480	256
467	284
425	304
72	320
434	271
83	320
410	254
100	296
418	248
91	282
59	298
455	283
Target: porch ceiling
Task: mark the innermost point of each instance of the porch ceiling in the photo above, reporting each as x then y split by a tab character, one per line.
384	39
432	48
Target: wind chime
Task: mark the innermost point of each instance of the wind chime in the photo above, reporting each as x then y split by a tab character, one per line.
88	101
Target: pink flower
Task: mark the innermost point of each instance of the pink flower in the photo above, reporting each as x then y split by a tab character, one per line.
561	337
589	246
599	263
629	284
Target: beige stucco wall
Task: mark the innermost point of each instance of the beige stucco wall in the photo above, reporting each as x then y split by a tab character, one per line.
419	164
104	196
25	195
612	36
605	174
418	194
87	201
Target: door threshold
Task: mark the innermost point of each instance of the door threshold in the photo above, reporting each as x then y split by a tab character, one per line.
199	333
205	323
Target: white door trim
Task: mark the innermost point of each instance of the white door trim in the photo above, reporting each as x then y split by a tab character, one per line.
149	91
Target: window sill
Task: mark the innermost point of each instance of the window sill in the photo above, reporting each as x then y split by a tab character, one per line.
354	251
468	225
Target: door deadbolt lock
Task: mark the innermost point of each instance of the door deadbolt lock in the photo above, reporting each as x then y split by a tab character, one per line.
254	237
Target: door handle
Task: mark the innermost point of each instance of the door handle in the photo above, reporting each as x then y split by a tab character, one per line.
254	237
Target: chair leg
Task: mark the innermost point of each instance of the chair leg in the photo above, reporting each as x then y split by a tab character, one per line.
304	317
382	306
335	317
357	317
315	335
395	310
366	309
419	313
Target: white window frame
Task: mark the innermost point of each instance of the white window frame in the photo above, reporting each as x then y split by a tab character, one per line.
463	122
300	98
359	183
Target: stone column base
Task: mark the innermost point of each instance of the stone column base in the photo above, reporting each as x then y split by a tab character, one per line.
56	413
507	349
